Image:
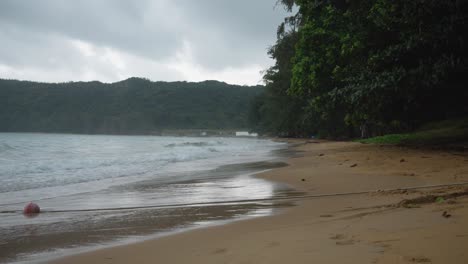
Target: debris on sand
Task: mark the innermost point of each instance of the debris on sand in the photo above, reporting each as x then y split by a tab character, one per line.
411	203
420	260
326	215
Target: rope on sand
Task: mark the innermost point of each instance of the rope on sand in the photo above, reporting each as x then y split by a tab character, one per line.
246	201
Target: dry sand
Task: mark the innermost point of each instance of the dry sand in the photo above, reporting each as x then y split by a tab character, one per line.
375	227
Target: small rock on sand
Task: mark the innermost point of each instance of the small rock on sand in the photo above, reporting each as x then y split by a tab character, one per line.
354	165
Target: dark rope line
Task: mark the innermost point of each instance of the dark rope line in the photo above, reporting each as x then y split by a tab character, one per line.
246	201
42	199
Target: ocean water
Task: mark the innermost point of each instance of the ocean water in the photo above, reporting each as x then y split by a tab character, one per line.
82	181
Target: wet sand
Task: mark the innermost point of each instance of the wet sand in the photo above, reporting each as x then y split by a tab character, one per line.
376	226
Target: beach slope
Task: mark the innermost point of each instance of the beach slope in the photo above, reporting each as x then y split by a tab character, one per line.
370	219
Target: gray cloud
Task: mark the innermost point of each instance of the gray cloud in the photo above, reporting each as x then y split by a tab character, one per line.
110	39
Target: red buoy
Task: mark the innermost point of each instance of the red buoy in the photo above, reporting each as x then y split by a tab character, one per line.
31	209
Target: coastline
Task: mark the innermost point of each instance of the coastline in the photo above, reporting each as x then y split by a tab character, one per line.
128	225
188	183
373	227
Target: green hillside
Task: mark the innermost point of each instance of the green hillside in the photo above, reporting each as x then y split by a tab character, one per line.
132	106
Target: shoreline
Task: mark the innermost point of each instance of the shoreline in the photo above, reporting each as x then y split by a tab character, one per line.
70	231
363	228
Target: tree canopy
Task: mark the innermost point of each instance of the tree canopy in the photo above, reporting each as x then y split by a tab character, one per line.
391	65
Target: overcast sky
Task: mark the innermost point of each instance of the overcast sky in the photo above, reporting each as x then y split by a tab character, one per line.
111	40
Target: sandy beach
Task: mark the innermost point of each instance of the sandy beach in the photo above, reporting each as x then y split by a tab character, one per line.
378	225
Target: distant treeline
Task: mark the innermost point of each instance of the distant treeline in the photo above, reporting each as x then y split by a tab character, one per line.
373	67
132	106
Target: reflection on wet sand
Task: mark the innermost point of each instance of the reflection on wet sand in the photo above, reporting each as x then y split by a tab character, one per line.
58	228
101	228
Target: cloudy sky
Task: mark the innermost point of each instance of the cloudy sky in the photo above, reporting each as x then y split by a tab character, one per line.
110	40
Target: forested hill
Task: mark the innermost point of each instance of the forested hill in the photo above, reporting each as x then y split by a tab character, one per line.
132	106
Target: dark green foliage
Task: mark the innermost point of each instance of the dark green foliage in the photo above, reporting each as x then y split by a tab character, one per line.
275	112
388	65
133	106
